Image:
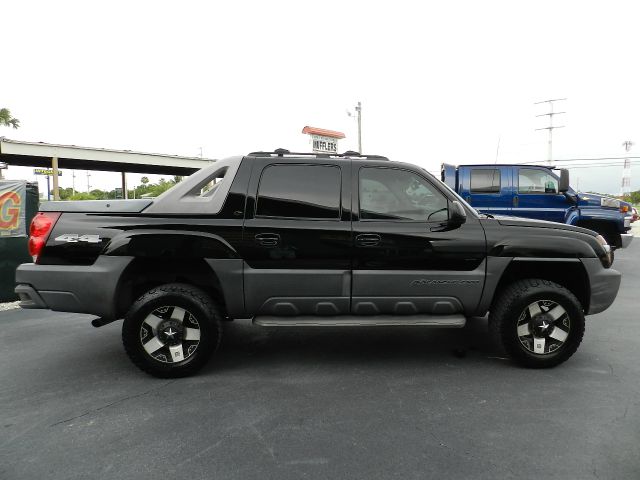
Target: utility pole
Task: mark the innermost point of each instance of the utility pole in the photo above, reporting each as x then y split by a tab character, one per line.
359	118
359	110
88	186
551	126
625	186
73	182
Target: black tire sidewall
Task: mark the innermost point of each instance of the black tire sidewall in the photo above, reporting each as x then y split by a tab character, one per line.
191	299
509	334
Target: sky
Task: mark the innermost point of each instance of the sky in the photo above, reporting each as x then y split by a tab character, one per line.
451	82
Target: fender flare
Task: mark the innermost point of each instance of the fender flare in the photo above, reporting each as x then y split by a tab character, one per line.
604	216
176	246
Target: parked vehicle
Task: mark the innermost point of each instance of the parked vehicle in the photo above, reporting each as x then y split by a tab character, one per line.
312	240
542	193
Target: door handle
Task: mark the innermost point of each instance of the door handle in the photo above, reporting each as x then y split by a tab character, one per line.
267	239
516	201
367	239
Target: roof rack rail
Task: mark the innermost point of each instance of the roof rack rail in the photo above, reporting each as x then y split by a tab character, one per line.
281	152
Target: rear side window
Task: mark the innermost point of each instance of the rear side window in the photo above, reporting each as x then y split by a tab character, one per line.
300	191
485	180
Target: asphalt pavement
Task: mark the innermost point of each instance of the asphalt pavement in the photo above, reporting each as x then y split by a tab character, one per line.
381	403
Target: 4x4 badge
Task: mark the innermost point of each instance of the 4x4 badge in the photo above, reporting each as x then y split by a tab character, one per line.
74	237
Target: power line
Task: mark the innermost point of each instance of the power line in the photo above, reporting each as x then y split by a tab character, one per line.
603	165
583	159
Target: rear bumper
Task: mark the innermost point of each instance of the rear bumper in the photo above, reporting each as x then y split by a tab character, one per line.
29	297
625	239
604	284
72	288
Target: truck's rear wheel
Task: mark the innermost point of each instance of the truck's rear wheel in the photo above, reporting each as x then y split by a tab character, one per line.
172	330
538	323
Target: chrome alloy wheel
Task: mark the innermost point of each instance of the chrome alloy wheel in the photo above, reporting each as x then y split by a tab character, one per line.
170	334
543	327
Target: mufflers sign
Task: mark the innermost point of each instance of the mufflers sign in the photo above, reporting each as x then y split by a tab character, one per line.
321	144
323	140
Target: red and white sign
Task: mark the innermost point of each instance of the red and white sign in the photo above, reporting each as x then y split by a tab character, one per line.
323	140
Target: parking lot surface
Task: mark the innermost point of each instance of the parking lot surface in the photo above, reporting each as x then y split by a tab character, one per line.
322	403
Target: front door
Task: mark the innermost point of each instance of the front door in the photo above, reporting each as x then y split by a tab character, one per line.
537	195
297	238
407	260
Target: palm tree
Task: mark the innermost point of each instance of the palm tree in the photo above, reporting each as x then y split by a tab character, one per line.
6	120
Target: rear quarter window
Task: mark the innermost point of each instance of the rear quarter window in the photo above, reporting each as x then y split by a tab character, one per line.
485	180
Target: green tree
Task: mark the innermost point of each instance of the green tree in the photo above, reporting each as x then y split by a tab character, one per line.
65	193
633	198
97	193
6	120
83	196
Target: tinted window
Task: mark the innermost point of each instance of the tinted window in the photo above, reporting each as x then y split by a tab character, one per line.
393	194
485	180
536	181
300	191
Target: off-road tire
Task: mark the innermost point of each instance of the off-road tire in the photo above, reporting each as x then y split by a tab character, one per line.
513	300
189	298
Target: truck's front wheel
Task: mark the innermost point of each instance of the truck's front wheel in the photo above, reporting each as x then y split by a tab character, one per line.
538	322
172	330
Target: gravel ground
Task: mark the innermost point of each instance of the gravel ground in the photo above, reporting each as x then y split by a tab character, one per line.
9	305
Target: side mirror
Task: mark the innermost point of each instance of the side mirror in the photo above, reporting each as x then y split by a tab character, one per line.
563	186
457	214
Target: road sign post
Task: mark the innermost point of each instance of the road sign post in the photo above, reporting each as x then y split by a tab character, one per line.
48	172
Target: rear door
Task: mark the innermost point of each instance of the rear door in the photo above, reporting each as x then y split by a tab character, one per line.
537	196
407	260
297	238
487	188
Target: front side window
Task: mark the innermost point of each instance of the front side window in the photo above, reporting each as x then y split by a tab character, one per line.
392	194
536	181
485	180
300	191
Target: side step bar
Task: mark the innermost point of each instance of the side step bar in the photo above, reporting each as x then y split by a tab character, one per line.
444	321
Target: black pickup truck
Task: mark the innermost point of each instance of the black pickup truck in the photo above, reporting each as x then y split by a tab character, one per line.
291	239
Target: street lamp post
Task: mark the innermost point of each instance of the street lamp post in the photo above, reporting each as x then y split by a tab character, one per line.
359	118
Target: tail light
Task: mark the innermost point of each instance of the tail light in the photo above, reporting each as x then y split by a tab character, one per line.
624	208
39	231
